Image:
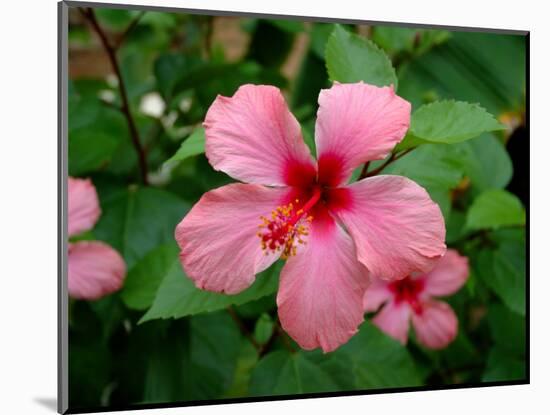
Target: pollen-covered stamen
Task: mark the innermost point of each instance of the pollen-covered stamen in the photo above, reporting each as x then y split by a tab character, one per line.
287	226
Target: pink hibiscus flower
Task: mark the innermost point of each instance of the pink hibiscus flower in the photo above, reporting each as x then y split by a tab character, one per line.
332	234
434	321
95	269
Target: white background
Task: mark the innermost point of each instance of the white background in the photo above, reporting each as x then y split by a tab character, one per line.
28	206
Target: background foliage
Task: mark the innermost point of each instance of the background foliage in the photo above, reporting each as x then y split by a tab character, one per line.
160	339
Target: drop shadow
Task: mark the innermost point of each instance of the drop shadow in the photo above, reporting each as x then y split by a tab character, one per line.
48	403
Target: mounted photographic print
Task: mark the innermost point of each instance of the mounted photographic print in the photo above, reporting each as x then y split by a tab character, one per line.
279	207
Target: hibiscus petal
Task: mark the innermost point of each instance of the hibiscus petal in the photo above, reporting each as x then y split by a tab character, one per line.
448	276
220	249
393	320
321	289
83	206
436	326
397	228
376	295
357	123
95	270
254	138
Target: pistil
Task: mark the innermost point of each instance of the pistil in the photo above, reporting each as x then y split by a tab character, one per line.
287	226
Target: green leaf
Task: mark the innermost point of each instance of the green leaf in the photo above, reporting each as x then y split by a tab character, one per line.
394	39
351	58
114	18
96	132
208	80
168	69
178	297
503	271
509	268
507	329
111	311
290	26
455	226
486	162
311	77
206	348
254	309
168	372
501	366
494	209
246	362
283	373
83	112
339	366
370	360
448	122
136	70
443	198
263	328
319	36
135	220
430	38
142	282
193	145
379	361
433	167
189	362
406	42
460	353
89	366
487	68
436	168
89	150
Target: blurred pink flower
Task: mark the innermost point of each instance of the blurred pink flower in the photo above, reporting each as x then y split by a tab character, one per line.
95	269
296	208
434	321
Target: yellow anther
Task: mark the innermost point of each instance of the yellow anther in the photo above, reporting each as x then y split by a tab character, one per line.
283	230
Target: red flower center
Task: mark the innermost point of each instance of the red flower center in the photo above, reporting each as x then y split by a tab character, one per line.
313	195
408	290
282	230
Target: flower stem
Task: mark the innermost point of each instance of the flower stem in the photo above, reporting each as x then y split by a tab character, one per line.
125	107
128	29
393	157
242	328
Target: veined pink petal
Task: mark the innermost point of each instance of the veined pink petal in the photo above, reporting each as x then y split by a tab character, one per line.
357	123
376	295
396	227
95	270
448	276
321	289
83	206
254	138
393	320
436	326
220	249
